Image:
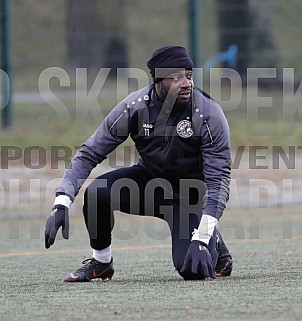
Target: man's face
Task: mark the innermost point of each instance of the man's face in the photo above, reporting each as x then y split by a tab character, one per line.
176	87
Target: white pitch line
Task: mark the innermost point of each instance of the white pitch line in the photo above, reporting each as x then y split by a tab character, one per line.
138	247
117	248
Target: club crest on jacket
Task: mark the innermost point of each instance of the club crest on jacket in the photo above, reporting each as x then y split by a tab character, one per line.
184	129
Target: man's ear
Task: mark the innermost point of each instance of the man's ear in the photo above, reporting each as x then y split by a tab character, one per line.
158	85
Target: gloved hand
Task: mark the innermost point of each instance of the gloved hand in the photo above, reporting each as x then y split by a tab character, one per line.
198	263
57	218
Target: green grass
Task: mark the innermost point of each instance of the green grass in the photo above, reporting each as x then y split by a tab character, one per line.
265	284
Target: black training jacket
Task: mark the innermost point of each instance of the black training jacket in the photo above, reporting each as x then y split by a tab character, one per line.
188	142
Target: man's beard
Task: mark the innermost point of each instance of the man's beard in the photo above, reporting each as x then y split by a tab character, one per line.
173	100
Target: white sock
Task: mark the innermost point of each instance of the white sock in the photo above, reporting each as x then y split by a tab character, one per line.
104	255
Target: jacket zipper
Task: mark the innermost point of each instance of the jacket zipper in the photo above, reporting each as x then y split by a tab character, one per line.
209	131
167	134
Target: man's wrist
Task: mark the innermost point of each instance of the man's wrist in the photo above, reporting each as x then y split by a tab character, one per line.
62	200
205	229
201	243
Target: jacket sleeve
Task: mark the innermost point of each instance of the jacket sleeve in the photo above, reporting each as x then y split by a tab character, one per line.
112	132
216	160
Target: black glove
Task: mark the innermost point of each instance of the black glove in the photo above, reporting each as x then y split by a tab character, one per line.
198	263
57	218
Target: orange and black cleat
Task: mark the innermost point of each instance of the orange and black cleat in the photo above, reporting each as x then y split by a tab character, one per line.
92	269
224	267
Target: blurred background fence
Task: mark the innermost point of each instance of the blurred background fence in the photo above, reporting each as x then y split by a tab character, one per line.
93	34
123	33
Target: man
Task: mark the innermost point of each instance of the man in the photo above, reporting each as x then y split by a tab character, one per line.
182	176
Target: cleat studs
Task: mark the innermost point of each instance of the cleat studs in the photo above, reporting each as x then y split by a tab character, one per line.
107	278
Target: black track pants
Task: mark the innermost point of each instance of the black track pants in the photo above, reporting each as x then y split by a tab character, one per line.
132	190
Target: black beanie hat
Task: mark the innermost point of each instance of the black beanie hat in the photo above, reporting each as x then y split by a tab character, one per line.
169	57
